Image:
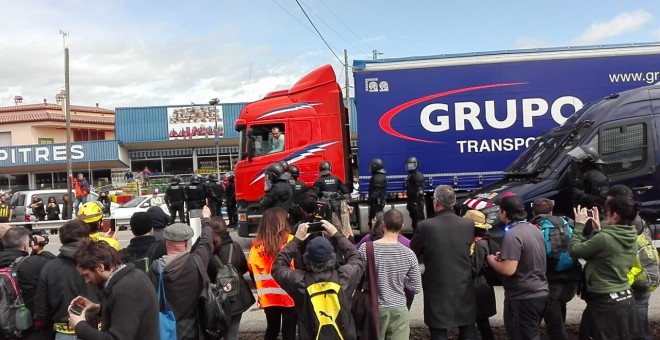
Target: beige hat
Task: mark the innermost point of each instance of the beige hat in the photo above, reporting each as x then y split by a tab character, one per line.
479	219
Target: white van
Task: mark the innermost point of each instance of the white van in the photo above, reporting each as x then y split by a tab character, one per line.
21	200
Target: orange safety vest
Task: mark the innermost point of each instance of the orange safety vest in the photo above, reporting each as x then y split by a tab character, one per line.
268	291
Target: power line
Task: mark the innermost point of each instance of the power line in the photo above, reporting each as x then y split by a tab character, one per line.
332	29
294	17
347	27
319	33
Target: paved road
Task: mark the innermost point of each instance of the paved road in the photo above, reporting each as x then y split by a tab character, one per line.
255	321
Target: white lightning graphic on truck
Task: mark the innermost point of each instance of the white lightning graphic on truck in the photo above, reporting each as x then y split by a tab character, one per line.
296	107
298	156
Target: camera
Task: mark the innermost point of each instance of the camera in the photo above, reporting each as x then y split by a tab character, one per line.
323	212
75	309
43	243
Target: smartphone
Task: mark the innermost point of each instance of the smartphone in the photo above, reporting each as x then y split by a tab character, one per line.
75	309
113	225
315	227
590	213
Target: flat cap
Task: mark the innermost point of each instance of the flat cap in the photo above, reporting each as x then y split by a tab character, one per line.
178	232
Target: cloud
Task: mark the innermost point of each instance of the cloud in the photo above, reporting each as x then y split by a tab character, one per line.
120	61
655	34
623	23
531	42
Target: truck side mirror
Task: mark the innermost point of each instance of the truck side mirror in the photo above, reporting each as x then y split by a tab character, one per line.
250	144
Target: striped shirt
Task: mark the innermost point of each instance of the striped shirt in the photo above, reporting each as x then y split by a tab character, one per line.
396	268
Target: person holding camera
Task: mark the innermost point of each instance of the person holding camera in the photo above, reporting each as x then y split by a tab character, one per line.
609	255
320	272
52	209
18	244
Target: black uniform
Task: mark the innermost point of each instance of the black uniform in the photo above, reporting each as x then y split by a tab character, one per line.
415	193
298	188
330	188
175	196
588	182
279	195
215	193
195	197
230	191
211	198
377	190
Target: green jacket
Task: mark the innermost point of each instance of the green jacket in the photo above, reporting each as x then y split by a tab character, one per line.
609	253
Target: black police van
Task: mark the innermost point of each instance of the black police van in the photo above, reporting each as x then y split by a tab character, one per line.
623	127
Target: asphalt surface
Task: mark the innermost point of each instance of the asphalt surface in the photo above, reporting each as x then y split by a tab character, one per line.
254	319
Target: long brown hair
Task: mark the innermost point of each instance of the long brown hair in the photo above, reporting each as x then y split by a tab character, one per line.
273	230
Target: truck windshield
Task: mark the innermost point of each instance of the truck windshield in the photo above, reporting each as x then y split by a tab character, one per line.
560	139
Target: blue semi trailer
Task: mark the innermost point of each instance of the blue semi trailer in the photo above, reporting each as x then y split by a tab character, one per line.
467	117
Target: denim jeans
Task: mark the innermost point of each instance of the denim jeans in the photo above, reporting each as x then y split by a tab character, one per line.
76	204
642	306
560	293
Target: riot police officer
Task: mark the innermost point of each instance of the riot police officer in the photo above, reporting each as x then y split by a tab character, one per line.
329	188
195	195
298	188
586	177
175	196
285	168
214	193
277	191
377	187
230	192
414	191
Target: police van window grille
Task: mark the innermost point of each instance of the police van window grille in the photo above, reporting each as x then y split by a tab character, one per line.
624	149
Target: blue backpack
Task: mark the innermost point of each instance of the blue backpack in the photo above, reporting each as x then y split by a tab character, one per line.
557	233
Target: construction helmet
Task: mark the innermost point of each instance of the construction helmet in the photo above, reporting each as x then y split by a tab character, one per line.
376	165
325	168
412	163
90	212
295	172
586	153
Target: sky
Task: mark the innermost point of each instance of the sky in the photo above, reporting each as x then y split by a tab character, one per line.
126	53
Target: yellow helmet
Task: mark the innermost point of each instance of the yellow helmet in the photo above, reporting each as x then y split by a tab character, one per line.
90	212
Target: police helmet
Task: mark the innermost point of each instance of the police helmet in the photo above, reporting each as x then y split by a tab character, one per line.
274	171
175	180
284	165
376	165
295	171
586	153
412	163
196	179
325	168
90	212
213	178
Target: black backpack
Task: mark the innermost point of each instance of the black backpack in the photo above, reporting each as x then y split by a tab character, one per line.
227	276
214	314
15	317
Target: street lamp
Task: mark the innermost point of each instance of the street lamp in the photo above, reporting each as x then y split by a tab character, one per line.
214	103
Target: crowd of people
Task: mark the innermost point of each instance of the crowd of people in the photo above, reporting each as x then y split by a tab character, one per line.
313	281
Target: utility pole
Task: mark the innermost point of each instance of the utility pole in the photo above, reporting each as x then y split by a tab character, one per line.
67	115
375	54
348	96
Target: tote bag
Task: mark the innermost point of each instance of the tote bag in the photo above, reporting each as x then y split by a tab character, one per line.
166	321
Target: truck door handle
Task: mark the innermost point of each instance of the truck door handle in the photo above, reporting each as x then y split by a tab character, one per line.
647	187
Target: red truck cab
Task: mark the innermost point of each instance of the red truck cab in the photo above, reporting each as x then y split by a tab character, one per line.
313	121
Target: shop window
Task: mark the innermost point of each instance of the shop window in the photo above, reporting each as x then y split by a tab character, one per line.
46	141
268	139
